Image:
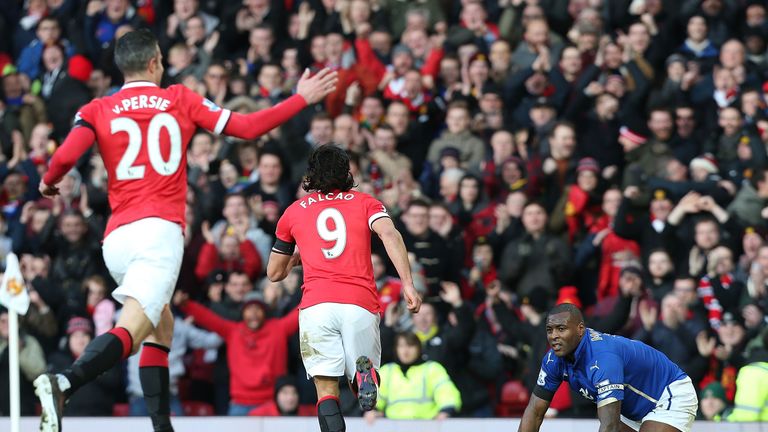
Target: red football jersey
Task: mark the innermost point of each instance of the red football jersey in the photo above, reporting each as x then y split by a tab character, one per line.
333	234
142	132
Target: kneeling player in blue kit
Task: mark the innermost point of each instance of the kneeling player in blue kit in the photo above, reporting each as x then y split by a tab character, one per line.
631	382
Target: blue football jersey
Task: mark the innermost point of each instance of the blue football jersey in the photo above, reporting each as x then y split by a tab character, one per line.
610	368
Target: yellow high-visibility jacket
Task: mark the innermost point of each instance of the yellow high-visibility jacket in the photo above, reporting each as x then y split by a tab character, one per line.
751	394
421	393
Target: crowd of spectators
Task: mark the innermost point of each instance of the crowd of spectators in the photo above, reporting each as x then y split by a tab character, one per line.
611	154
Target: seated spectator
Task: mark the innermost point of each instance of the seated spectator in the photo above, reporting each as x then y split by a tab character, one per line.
661	274
27	108
286	403
31	362
559	166
252	384
388	287
713	406
53	68
432	252
76	255
579	206
471	149
385	156
719	290
48	33
97	397
100	308
697	45
240	213
751	199
412	388
69	94
757	284
671	334
473	212
535	259
737	149
234	253
102	19
481	274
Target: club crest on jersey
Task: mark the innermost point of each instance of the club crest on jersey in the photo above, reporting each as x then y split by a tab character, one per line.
212	107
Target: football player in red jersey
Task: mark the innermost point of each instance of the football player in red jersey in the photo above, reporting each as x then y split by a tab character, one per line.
339	310
142	132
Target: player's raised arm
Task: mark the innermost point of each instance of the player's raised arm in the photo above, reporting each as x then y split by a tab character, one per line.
78	141
310	90
393	243
533	415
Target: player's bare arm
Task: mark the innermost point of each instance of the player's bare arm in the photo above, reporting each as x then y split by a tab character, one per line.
533	415
309	90
280	265
610	417
393	243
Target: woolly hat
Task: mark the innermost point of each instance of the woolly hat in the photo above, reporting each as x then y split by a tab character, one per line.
254	297
631	135
569	294
79	324
706	162
588	164
80	68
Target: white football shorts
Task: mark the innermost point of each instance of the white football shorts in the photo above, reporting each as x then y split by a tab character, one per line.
144	258
676	407
333	335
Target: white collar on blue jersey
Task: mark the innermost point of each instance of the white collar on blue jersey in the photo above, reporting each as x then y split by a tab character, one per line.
134	84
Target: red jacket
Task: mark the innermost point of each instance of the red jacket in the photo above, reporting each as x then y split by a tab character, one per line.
209	260
256	358
376	70
616	253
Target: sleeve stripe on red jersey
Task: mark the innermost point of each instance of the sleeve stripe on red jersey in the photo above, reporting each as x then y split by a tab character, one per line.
222	122
283	247
376	217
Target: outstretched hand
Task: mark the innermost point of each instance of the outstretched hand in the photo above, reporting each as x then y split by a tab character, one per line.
315	89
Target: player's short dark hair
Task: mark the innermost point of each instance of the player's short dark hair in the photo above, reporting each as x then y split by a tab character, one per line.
570	308
134	50
328	170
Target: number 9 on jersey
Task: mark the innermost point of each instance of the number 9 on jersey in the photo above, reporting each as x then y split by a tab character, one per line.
338	235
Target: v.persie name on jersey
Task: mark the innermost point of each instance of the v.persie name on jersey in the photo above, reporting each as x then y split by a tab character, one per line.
327	197
142	102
